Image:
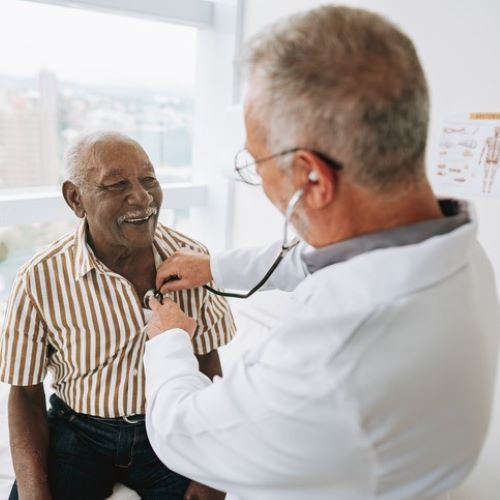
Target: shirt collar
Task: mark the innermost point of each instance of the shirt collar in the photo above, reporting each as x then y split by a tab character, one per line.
85	259
163	245
159	253
456	213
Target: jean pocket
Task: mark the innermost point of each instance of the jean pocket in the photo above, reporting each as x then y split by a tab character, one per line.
58	409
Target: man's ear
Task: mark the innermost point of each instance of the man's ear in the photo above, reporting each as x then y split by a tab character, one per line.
318	178
73	198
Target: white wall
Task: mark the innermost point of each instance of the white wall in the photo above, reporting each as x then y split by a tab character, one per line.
459	45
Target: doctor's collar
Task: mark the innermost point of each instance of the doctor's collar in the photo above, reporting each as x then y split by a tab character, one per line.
456	213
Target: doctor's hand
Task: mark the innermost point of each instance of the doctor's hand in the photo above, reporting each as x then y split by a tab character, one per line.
184	269
167	316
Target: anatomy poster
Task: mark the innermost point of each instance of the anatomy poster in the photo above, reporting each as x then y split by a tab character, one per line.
468	154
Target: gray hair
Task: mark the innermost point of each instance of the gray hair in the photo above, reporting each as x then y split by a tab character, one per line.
79	155
345	82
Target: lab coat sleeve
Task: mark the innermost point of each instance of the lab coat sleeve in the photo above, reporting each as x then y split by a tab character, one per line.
242	269
219	433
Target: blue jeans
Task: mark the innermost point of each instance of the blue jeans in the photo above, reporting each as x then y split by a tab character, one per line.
88	455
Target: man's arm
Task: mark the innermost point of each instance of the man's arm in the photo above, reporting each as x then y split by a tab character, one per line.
239	269
23	360
242	269
29	441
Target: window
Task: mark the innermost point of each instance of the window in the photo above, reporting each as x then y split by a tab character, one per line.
163	73
79	70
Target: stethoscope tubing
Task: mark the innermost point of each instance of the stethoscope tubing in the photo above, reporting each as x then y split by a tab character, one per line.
285	248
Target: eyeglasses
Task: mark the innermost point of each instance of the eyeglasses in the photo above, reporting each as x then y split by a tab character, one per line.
246	165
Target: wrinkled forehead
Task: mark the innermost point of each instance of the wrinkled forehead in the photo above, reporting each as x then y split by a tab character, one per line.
117	155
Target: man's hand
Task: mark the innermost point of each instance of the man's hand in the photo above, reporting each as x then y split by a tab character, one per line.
167	316
183	270
197	491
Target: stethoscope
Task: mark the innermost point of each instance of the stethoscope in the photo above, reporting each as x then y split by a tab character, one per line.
286	246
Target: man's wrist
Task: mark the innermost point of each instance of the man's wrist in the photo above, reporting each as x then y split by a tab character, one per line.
168	331
34	490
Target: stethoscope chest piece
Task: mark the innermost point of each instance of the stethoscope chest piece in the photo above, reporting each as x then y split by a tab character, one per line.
152	293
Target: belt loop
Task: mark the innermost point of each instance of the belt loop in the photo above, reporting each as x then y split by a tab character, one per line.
130	421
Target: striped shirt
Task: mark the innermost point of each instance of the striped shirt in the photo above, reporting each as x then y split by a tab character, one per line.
70	314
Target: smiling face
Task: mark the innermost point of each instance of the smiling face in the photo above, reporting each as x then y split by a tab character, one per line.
121	197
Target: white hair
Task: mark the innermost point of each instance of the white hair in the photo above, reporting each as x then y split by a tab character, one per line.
78	156
347	83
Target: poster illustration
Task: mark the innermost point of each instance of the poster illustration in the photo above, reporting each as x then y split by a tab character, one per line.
468	154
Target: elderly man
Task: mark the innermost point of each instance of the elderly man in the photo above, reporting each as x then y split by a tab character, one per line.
377	383
76	310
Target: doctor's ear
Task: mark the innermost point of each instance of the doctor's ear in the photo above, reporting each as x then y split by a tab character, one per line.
317	178
73	198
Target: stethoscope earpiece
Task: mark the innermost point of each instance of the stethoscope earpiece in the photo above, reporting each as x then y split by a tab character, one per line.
313	176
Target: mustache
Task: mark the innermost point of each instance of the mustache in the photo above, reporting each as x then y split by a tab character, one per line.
138	214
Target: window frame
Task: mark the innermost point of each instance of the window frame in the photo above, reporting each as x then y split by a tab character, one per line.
197	13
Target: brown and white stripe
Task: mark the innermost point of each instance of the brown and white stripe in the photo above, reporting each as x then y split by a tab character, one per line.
69	314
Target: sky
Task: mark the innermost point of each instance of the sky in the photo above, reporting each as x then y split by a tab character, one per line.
94	48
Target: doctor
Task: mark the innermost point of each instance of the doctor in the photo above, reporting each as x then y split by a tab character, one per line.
377	384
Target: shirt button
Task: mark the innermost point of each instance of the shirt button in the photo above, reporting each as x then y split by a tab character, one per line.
134	372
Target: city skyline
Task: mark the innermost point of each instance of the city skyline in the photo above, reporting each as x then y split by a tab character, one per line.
39	117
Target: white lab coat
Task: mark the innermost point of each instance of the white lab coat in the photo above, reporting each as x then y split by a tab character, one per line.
377	383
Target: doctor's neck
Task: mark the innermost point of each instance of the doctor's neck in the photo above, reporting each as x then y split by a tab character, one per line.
357	210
